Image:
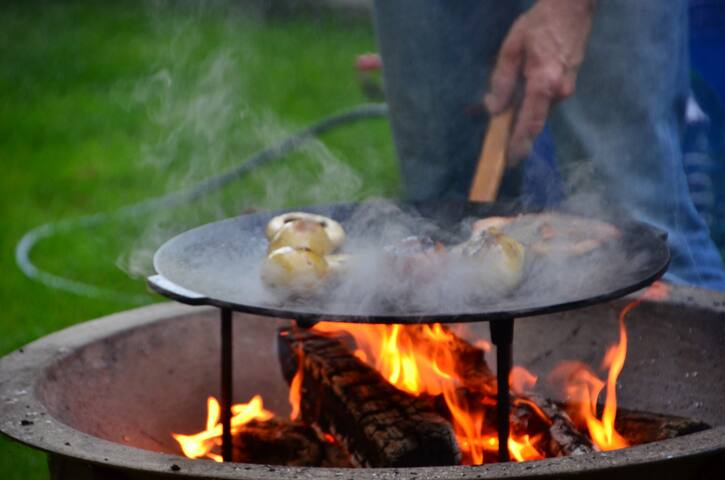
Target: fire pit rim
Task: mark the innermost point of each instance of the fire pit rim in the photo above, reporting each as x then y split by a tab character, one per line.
26	419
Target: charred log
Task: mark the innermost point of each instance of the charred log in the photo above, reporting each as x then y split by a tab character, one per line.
638	427
564	438
379	425
282	442
470	361
367	414
643	427
530	413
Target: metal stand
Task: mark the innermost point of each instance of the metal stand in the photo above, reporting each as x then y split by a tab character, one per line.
226	386
502	335
306	324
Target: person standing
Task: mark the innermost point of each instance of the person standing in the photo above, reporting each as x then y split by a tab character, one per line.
610	77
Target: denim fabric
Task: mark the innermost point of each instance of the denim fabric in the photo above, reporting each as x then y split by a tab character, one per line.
618	138
707	165
707	42
437	56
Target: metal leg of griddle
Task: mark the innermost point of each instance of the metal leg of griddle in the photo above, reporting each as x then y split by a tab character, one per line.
226	393
306	323
502	335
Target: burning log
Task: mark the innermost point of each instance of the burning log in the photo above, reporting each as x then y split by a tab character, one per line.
638	427
643	427
469	360
377	424
564	438
282	442
531	415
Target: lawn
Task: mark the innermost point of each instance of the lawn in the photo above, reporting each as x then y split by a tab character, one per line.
107	103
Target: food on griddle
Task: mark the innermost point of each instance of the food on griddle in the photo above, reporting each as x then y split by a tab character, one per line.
294	270
297	261
491	222
305	234
412	246
334	230
572	235
417	258
553	234
496	259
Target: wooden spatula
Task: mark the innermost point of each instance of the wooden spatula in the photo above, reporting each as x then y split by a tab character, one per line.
492	161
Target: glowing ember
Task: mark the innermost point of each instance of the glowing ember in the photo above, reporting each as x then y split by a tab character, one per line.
200	445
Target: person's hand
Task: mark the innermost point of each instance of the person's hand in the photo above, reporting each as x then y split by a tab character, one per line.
544	49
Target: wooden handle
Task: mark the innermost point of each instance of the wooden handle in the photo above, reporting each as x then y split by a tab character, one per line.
492	161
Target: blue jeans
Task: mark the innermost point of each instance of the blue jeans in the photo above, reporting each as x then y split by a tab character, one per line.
618	138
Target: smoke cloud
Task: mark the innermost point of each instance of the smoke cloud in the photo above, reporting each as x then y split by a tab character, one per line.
206	117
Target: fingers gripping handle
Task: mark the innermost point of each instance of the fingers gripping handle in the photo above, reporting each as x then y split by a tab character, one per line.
492	160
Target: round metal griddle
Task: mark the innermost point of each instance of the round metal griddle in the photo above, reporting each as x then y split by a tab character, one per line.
215	264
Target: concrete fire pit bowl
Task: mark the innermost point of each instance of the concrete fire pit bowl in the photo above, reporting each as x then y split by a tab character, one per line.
103	397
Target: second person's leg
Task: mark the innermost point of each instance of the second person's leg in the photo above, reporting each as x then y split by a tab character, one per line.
437	55
620	134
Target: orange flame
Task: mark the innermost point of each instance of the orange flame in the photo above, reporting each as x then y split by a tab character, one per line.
483	345
583	386
418	359
657	291
524	449
200	445
360	355
295	390
521	380
467	425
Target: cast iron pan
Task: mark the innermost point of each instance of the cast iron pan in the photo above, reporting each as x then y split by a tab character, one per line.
216	264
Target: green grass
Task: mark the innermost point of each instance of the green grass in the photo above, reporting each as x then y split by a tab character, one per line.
106	103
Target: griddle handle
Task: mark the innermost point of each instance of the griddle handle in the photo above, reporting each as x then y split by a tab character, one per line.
492	159
162	285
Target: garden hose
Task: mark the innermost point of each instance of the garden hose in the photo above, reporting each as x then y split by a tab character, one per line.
24	248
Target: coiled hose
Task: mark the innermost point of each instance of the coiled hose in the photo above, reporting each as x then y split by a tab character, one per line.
24	248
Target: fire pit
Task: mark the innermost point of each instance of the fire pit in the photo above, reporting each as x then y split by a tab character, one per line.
102	397
375	376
